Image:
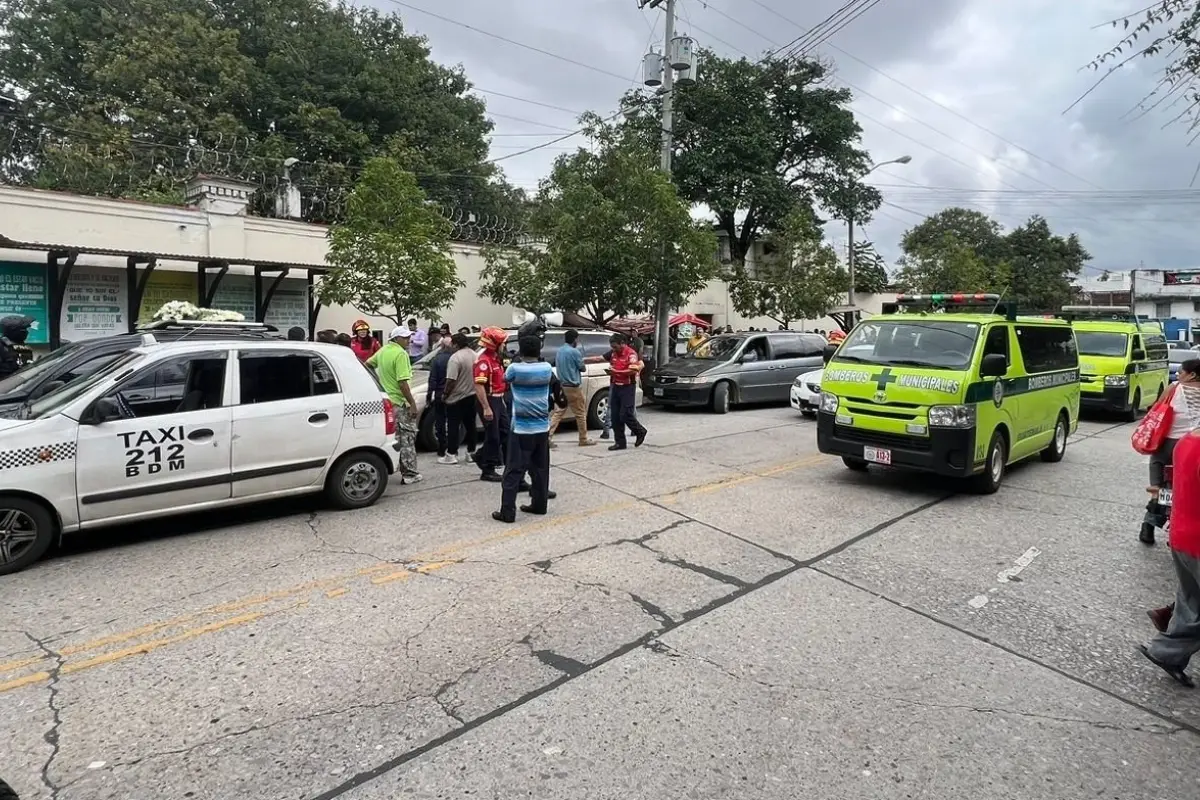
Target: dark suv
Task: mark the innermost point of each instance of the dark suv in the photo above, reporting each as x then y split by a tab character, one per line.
80	359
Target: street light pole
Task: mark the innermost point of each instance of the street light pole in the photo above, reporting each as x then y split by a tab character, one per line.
850	222
662	330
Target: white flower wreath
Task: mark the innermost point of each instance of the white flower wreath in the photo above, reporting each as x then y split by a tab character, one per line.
179	310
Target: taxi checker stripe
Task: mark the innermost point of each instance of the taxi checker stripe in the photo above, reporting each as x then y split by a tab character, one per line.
364	409
30	456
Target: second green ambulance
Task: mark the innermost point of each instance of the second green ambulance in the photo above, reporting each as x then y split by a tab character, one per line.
951	384
1122	361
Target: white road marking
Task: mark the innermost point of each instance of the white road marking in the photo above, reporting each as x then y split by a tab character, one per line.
978	601
1004	576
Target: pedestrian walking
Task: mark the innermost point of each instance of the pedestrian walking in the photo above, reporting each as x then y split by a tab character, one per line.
490	387
459	396
529	443
569	364
624	366
394	369
435	401
1173	649
417	342
1182	396
363	344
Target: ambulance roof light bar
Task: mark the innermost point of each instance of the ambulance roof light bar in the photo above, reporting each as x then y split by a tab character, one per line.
950	301
1113	313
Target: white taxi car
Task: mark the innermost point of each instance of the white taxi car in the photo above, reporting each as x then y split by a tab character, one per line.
251	420
806	393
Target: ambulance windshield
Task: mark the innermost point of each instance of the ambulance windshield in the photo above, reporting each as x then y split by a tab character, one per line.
926	343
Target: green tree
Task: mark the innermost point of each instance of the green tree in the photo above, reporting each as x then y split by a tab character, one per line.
389	255
948	265
971	228
1043	266
870	270
800	278
130	97
615	231
756	141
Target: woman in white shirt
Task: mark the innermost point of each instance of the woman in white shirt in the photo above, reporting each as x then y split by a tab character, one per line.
1185	408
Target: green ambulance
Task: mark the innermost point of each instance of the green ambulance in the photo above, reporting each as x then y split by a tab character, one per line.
952	384
1122	361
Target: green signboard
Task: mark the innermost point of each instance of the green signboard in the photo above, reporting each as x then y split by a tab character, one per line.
23	291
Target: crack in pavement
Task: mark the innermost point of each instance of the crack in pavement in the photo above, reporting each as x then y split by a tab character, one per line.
51	736
662	648
313	528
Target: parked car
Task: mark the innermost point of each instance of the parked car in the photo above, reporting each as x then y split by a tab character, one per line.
257	420
594	344
80	359
1175	357
806	393
737	368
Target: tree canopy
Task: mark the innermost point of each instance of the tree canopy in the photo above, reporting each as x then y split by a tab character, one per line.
756	141
800	278
389	254
960	249
128	97
615	231
870	270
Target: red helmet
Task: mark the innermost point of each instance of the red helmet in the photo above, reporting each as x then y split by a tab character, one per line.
836	336
359	325
492	338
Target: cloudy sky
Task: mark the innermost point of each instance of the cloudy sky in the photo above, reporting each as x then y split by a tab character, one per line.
973	90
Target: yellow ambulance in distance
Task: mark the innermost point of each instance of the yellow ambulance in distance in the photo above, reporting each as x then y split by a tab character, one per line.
1122	361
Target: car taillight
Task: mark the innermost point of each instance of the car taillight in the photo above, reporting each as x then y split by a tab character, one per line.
1167	473
389	417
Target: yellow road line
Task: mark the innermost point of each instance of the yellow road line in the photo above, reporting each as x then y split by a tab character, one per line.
333	587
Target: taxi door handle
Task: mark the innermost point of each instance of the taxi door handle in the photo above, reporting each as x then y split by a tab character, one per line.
319	417
200	434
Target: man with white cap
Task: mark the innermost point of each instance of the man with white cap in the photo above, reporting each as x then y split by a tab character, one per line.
394	369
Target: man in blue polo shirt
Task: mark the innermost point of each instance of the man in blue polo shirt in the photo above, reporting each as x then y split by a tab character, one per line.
529	440
569	363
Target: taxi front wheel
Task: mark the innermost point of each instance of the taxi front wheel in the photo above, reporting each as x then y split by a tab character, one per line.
26	533
357	480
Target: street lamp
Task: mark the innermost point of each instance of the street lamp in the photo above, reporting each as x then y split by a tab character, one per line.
850	222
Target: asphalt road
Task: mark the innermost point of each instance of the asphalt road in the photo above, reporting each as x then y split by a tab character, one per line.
723	613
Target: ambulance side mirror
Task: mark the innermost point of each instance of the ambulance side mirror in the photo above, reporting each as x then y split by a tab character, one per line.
103	410
1139	355
994	365
827	353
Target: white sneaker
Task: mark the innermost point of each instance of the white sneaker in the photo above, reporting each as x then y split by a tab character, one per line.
407	479
448	460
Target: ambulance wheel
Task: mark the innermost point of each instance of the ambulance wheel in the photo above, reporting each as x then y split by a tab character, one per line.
26	532
357	480
855	464
720	398
1058	447
1132	414
988	481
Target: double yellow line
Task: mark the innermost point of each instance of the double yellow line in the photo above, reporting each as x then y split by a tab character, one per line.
333	587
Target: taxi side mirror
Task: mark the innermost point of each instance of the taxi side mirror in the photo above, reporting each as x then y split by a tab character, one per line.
827	353
1139	355
994	365
103	410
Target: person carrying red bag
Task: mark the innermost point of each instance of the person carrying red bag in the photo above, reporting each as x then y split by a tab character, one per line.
1159	432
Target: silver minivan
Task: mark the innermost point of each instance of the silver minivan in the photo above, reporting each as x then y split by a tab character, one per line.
736	368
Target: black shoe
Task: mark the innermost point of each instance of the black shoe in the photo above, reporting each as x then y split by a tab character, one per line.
491	477
471	456
1146	536
616	447
532	510
641	437
605	435
500	516
1177	674
524	487
551	494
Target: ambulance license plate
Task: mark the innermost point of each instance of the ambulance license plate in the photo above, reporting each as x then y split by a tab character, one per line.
1164	497
877	455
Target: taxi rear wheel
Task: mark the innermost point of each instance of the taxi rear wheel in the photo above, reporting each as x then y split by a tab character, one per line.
1058	446
988	481
26	533
357	480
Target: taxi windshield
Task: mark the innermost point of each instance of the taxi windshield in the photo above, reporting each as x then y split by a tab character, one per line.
1102	344
23	379
718	348
56	401
925	343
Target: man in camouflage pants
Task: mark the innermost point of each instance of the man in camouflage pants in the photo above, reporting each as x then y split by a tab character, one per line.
391	363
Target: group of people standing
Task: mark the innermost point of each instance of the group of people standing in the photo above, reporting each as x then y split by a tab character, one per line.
520	403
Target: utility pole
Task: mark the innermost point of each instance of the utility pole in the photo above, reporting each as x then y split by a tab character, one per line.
850	228
662	313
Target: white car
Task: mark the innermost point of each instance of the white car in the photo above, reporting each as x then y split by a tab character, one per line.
593	343
254	420
806	393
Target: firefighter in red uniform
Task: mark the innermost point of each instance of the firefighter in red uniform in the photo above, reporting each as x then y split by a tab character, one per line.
490	388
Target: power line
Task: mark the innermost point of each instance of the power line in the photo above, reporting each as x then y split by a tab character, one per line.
816	41
525	100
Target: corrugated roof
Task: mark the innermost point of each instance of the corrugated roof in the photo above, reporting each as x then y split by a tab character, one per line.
45	247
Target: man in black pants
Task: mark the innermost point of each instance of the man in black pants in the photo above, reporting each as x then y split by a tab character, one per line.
625	364
459	397
490	387
529	442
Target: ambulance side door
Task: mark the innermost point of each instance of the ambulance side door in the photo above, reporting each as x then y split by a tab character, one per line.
158	454
1000	406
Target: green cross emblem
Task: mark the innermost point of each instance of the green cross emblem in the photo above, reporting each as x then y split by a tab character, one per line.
884	378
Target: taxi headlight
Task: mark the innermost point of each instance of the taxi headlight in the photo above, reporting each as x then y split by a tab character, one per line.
952	416
829	402
1116	380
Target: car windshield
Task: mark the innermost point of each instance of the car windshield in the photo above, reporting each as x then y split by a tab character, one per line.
54	402
718	348
1102	344
23	379
928	343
